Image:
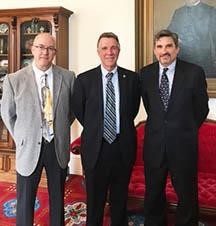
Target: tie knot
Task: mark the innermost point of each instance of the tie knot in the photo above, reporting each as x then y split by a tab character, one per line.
165	70
44	76
44	80
109	75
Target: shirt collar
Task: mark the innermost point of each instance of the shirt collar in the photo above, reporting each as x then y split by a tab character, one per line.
171	67
105	72
39	72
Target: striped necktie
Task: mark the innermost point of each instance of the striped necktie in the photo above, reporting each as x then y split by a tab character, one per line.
110	111
46	109
164	89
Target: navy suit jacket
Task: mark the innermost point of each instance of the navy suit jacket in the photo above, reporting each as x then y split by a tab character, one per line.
89	110
175	131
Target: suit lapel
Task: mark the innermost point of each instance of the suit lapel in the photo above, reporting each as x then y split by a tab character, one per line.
30	77
99	91
97	77
177	83
155	86
123	84
57	80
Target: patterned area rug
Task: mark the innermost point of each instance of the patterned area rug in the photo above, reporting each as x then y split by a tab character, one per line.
75	204
8	205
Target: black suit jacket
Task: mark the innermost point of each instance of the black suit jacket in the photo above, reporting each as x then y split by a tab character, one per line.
88	108
175	131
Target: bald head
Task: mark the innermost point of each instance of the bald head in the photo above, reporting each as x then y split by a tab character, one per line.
45	36
44	50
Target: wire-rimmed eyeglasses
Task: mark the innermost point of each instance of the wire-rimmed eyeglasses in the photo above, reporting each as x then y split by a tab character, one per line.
42	48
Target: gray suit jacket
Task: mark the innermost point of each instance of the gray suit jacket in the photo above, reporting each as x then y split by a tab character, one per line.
21	113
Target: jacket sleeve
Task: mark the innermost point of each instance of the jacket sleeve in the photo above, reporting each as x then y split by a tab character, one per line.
8	106
73	78
78	101
200	101
136	94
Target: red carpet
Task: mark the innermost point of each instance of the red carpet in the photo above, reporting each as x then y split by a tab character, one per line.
8	205
75	205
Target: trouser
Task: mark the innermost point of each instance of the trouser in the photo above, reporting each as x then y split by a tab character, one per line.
110	176
27	189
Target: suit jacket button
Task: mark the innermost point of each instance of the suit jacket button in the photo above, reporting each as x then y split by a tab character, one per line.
39	143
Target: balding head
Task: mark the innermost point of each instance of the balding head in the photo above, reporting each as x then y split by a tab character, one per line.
44	50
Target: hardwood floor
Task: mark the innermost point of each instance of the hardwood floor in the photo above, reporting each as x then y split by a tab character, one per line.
11	177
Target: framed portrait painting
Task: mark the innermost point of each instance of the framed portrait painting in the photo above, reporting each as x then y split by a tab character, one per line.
195	23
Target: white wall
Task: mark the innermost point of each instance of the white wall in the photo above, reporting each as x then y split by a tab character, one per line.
90	19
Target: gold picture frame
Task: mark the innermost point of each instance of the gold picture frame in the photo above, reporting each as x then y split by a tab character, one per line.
144	30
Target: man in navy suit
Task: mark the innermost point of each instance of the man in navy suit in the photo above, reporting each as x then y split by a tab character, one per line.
107	165
171	132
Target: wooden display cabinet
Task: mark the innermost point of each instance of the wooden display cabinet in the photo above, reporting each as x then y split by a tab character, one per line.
18	27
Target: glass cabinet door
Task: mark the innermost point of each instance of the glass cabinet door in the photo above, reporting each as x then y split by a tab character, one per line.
29	30
4	43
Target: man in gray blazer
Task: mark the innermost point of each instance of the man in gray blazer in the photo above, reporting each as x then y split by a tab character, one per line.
38	144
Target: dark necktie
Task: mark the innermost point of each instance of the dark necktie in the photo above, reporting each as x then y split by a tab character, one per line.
46	109
164	89
110	111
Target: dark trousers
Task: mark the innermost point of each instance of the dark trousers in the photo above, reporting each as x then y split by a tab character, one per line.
185	185
27	189
111	176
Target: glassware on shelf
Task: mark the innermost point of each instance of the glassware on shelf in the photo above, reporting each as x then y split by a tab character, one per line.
3	28
1	46
42	29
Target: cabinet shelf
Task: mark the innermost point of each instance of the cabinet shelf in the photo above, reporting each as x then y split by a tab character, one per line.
3	54
30	34
27	55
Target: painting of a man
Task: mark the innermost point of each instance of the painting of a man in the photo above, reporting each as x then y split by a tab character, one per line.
195	24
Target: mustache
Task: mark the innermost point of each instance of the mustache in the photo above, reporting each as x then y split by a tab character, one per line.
165	54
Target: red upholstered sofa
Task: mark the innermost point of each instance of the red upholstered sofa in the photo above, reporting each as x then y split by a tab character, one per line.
206	172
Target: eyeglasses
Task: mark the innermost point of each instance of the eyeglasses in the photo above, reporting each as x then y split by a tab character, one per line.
42	48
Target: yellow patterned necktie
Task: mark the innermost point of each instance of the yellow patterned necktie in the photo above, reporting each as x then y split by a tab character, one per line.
47	109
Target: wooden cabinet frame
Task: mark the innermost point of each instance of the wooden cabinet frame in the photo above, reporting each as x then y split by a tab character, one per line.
58	18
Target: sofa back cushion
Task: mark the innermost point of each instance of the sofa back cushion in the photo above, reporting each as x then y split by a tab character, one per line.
207	148
140	128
